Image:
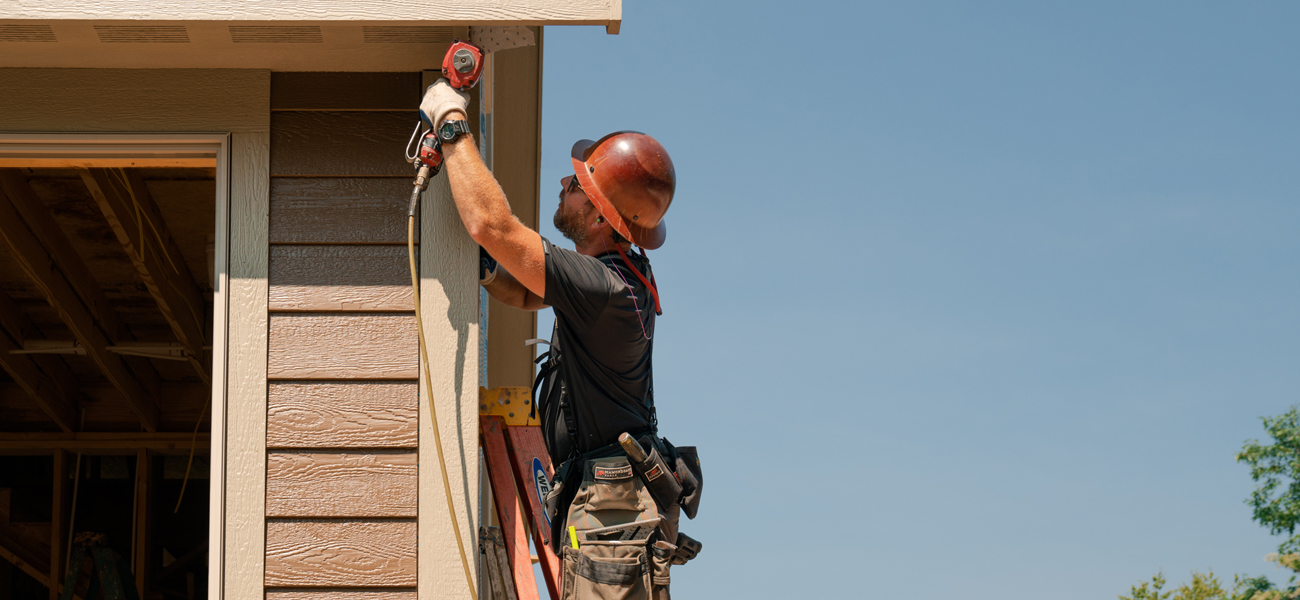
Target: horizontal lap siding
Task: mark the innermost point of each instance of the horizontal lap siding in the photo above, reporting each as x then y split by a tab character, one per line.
340	553
339	210
341	144
342	414
342	427
341	484
342	346
343	594
337	278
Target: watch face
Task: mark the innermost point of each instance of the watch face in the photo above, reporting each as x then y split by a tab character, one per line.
446	132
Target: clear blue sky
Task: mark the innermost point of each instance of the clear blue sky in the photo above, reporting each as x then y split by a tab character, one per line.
961	299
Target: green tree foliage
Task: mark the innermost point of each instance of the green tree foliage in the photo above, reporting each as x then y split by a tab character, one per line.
1206	586
1275	468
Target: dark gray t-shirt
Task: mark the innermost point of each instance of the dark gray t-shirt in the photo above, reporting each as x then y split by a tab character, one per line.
603	345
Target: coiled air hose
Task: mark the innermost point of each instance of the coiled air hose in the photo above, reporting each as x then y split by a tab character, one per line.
428	387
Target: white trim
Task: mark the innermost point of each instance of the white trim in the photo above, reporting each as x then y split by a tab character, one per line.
108	150
115	149
220	379
397	12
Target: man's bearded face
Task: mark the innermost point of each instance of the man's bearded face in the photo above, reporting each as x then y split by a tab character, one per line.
572	223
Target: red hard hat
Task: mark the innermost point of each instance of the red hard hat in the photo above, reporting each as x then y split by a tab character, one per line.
630	179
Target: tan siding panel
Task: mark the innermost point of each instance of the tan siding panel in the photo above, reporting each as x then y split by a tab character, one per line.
342	346
173	100
341	144
336	278
333	484
342	415
340	554
352	594
339	211
345	91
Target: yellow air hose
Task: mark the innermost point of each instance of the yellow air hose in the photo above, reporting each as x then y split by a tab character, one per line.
433	412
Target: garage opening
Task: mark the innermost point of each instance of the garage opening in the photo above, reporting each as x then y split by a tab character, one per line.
107	271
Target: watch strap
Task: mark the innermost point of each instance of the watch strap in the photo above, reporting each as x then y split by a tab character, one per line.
458	127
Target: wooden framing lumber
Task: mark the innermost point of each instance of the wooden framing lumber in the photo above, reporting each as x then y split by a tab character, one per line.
124	199
101	443
25	201
45	256
51	393
21	558
143	506
60	515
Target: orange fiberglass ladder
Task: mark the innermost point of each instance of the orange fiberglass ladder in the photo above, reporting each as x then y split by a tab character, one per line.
517	460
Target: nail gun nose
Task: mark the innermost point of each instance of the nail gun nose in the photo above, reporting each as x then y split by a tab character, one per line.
463	60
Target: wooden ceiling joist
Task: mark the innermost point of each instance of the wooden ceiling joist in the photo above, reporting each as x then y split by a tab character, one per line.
45	378
104	443
43	252
139	225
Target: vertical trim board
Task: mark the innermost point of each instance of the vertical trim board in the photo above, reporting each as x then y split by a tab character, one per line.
449	300
245	439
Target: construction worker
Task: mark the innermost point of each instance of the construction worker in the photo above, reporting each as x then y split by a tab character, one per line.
597	381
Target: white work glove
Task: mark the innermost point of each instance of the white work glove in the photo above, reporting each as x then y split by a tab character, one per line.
441	99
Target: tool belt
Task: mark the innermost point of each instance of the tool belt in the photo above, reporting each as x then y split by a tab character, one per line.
614	535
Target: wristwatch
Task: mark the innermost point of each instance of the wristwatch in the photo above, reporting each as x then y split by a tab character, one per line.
450	130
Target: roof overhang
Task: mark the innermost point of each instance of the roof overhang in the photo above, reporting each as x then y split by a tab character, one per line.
282	35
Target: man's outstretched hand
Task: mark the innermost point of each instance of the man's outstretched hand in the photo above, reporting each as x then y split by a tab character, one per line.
441	99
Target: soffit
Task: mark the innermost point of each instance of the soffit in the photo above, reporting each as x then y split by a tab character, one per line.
278	46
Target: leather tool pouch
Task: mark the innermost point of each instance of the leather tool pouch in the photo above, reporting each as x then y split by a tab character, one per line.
617	563
688	470
655	473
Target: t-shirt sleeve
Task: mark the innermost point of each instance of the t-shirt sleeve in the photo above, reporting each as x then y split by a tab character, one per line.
576	285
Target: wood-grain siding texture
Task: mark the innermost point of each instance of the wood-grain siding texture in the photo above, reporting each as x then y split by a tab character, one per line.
339	594
307	553
340	278
339	210
340	144
353	414
342	346
341	484
342	411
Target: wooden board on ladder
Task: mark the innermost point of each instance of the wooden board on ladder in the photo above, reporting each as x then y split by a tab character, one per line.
517	460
